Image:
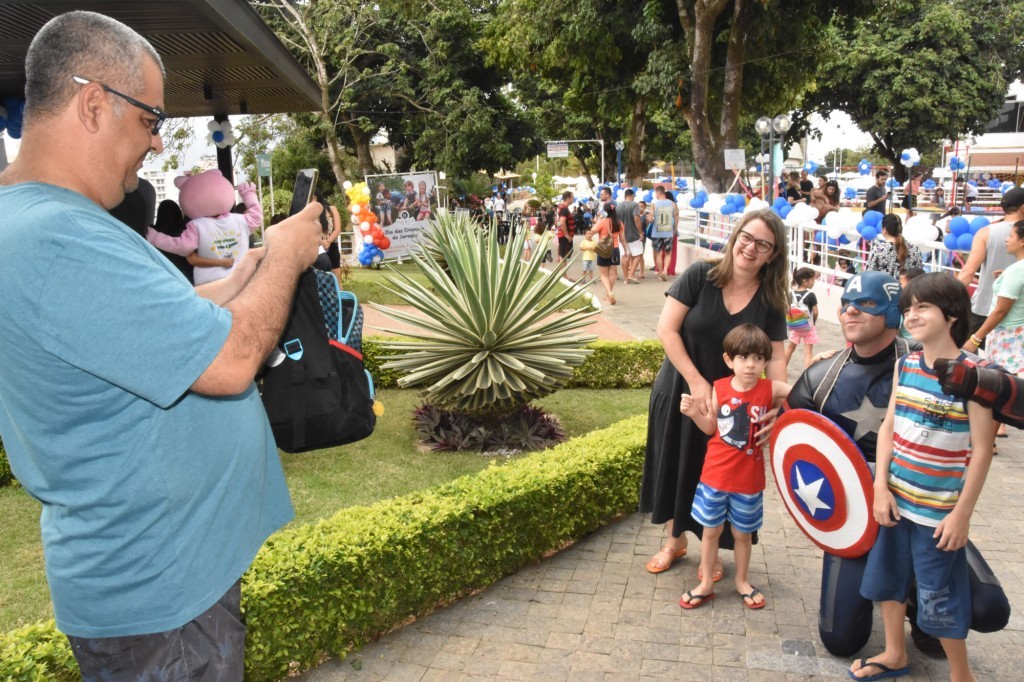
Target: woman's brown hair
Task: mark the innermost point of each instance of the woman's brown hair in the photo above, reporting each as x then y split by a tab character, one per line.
774	275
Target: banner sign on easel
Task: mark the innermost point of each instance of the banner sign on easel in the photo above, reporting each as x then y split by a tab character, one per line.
403	202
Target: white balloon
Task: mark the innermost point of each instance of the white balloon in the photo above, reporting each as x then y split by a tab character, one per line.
376	259
213	126
919	230
366	191
368	239
800	214
355	209
834	231
347	185
714	204
364	226
756	205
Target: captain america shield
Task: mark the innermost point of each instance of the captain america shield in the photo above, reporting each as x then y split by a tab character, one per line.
825	482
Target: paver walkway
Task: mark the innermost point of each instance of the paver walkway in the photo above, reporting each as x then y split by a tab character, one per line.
592	612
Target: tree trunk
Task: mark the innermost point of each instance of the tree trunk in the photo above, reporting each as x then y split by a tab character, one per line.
699	29
361	143
636	159
586	171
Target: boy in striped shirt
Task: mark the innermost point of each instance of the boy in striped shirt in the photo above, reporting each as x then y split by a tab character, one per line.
925	492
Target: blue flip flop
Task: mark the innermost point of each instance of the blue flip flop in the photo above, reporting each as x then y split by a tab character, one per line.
884	671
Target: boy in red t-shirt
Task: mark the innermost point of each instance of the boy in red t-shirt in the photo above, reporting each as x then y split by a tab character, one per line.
732	480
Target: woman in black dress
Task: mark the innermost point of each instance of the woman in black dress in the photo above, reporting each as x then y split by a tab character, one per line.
747	285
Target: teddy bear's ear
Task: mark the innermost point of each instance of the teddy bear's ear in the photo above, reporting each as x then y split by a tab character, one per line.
181	180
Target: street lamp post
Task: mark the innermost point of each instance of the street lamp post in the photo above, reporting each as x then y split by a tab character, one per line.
619	146
774	129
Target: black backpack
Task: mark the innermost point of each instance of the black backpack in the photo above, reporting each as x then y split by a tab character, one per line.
316	391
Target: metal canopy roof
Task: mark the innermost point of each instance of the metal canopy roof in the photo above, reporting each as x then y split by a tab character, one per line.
219	55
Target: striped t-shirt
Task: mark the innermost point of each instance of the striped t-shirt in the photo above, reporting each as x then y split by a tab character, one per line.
931	444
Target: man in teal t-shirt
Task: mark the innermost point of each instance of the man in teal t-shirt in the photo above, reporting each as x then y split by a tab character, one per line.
664	229
127	402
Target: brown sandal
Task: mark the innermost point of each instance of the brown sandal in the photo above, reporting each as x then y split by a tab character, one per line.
652	567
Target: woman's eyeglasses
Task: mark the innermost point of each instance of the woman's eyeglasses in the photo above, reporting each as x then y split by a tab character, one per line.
760	245
160	115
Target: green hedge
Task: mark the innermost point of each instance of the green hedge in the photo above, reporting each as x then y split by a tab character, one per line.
334	585
613	364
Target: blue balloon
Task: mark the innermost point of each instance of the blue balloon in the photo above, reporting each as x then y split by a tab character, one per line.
973	183
860	226
949	241
703	194
587	215
864	167
775	210
819	237
978	223
873	218
994	184
694	202
780	202
1006	187
850	193
963	242
869	232
728	209
843	239
905	156
891	182
785	210
959	226
928	184
649	196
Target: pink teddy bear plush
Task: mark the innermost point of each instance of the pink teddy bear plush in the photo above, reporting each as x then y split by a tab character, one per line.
213	232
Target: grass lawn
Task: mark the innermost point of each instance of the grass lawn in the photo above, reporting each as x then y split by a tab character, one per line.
385	465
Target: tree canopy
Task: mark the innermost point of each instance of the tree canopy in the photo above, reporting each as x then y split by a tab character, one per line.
917	71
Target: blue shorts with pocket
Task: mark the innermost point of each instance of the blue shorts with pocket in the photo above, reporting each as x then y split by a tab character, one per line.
587	265
711	508
907	550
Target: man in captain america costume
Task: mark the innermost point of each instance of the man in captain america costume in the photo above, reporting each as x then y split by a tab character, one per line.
853	389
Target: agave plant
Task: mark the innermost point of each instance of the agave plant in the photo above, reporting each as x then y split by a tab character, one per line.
486	341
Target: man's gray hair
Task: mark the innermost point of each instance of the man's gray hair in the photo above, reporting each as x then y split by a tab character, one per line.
87	45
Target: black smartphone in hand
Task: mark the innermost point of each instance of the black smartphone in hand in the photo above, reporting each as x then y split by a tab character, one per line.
305	186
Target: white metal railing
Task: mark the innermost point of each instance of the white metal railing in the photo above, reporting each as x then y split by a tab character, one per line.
809	247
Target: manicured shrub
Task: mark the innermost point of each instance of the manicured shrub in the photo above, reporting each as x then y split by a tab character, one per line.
331	586
612	364
37	653
334	585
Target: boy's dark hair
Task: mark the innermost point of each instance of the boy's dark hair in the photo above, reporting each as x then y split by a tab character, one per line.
628	193
747	339
881	172
946	293
911	273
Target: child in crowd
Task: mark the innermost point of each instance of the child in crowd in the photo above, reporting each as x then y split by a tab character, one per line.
732	480
925	492
588	257
905	277
802	316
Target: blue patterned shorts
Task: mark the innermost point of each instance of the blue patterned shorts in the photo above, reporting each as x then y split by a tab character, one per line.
712	507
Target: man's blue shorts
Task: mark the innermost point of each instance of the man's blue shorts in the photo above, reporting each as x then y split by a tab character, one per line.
712	507
907	550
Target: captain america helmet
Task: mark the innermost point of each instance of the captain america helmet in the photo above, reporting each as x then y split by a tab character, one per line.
879	288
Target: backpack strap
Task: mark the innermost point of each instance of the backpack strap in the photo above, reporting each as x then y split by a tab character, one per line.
824	389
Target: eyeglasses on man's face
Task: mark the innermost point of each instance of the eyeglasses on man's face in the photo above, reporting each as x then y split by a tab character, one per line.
760	245
160	115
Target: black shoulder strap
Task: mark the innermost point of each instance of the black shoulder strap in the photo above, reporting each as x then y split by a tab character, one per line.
824	389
